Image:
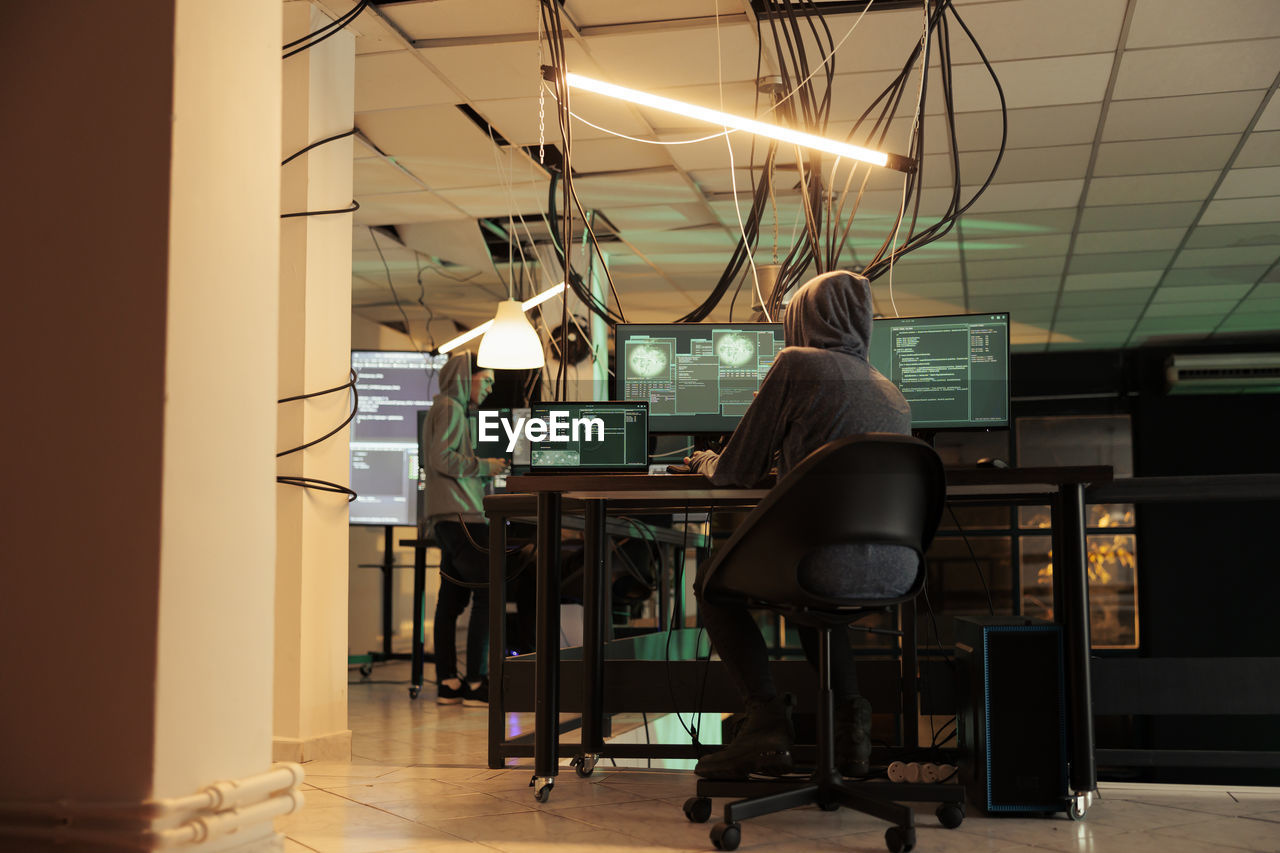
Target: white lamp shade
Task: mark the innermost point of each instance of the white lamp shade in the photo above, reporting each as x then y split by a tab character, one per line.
511	342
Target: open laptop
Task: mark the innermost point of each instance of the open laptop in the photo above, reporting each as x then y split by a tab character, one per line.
587	437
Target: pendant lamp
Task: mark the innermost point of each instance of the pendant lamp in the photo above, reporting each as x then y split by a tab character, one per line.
511	343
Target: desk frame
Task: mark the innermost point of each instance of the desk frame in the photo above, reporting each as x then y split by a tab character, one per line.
1064	487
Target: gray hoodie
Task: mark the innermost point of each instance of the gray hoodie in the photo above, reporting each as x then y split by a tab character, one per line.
455	477
820	388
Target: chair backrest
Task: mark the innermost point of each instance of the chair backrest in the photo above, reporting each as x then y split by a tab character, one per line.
877	488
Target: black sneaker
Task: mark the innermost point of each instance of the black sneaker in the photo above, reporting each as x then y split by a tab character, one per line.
476	697
446	695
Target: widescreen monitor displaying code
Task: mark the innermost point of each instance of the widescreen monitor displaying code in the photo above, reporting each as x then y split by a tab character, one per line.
953	370
696	377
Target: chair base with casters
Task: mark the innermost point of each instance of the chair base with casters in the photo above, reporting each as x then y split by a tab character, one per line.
825	788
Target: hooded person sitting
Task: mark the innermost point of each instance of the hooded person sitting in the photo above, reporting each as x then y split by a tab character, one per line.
820	388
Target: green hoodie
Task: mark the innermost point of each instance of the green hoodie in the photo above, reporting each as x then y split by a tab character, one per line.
454	476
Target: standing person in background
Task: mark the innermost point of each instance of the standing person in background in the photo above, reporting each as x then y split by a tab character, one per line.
454	495
821	388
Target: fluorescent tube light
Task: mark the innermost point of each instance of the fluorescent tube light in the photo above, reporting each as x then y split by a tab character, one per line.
485	326
760	128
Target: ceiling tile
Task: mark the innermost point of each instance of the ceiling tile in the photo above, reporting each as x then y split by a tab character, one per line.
1035	28
1034	82
607	192
1094	328
1250	183
1028	196
1236	256
1197	69
1022	165
1119	241
1015	246
1212	236
1056	221
1126	216
1032	127
1100	299
1213	275
979	271
1014	286
678	57
1185	186
1192	154
1243	210
1082	315
457	18
500	71
1263	304
1113	280
1248	322
615	155
1270	118
524	198
373	34
1187	115
398	208
913	270
374	175
594	13
1165	22
393	80
1185	309
1260	149
1212	293
1119	262
441	146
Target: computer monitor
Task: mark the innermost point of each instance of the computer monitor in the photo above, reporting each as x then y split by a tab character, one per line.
600	436
393	387
953	370
698	378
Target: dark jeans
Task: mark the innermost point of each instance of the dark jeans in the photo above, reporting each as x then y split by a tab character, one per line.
737	639
462	560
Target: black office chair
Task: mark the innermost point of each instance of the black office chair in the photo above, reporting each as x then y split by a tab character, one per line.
870	489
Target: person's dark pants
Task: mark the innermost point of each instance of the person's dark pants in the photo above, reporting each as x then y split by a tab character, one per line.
737	639
461	560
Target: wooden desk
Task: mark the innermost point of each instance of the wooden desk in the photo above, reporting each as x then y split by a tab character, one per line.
1062	487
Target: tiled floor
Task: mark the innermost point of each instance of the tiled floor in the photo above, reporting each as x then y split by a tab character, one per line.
418	781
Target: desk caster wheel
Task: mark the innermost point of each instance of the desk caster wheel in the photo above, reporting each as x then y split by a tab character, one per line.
698	809
950	815
414	691
542	786
366	670
726	836
585	765
1077	806
899	839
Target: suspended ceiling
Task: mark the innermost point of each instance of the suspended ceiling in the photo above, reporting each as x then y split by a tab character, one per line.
1138	200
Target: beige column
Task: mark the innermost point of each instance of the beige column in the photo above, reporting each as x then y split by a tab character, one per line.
139	550
314	354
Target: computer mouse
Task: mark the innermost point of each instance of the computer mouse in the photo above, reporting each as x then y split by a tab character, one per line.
991	462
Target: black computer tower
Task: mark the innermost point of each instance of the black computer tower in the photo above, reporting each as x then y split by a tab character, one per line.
1012	714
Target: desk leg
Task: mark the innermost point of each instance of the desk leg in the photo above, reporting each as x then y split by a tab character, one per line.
497	637
546	719
595	594
1071	611
419	596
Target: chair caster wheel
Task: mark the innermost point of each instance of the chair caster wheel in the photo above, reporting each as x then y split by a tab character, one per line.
414	691
698	809
542	794
366	670
726	836
829	807
900	840
1076	807
950	815
584	765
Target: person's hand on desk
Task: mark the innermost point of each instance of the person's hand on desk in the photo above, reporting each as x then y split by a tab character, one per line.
496	466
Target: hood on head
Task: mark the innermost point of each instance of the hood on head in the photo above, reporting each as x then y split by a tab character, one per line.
455	378
831	311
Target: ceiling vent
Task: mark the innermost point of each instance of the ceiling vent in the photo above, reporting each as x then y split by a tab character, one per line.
1224	373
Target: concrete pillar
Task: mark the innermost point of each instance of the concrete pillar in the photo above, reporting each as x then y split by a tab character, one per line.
137	564
314	354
